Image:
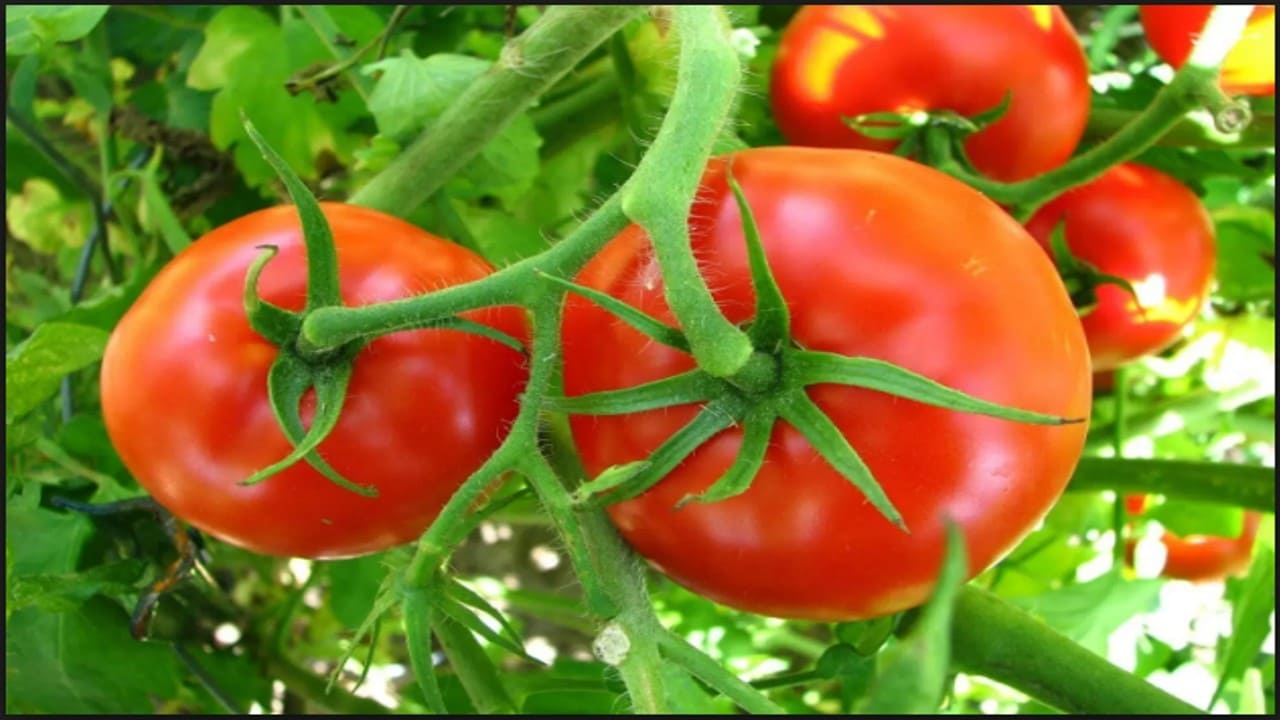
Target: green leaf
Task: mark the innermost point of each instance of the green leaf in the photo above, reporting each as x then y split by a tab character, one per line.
473	667
461	595
1246	238
1089	612
353	587
913	671
83	662
1250	617
246	57
63	592
45	220
34	369
867	636
154	211
27	27
413	92
1188	517
572	702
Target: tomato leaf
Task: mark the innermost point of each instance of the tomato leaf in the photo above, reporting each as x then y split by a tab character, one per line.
831	444
821	367
509	638
1189	517
866	637
29	27
1246	238
1249	617
687	387
472	665
1089	612
63	592
654	328
913	671
33	369
757	429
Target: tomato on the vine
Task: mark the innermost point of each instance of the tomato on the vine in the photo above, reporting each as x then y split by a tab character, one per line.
1139	224
877	256
184	389
838	62
1250	67
1201	558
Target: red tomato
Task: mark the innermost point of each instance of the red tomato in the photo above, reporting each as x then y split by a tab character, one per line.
1142	225
843	61
877	256
1201	558
1250	67
184	390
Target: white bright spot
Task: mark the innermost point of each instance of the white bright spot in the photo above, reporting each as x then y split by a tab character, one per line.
300	568
313	598
1150	290
488	533
504	532
744	41
1149	554
255	708
226	635
541	648
544	558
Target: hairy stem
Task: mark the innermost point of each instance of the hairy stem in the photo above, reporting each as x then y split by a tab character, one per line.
993	638
544	53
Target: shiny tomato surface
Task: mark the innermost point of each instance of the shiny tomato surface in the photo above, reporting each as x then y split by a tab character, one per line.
1250	67
840	61
1139	224
877	256
184	390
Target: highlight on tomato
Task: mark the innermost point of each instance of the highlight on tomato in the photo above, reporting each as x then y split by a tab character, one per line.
184	389
838	62
1138	224
1250	67
876	256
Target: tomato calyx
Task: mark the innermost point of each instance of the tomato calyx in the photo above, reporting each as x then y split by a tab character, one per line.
772	386
932	136
1081	278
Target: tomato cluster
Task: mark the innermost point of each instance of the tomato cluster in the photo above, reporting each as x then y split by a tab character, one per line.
1250	67
877	257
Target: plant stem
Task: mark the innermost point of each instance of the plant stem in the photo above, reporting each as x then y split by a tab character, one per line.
993	638
711	672
528	66
659	195
1188	131
1247	486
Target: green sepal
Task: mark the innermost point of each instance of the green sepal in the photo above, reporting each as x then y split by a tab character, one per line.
771	328
287	381
913	673
1081	278
272	322
471	664
687	387
650	326
454	603
813	367
610	478
323	288
757	429
886	125
797	409
418	608
714	417
464	325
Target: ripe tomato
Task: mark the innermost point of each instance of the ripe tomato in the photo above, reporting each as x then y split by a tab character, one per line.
843	61
877	256
1201	558
1250	67
184	390
1142	225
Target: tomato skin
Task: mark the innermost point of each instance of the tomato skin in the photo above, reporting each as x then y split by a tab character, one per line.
184	390
1142	225
877	256
1250	67
836	61
1201	558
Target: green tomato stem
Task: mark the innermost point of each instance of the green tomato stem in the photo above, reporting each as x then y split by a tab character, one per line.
1247	486
543	54
992	638
659	195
